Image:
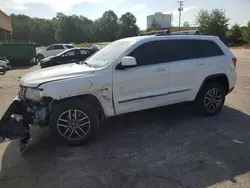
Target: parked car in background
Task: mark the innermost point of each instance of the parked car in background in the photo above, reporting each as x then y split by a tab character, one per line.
53	50
68	56
5	63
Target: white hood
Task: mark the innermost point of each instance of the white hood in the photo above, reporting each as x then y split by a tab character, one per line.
36	78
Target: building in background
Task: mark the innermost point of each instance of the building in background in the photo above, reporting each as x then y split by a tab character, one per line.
159	20
5	28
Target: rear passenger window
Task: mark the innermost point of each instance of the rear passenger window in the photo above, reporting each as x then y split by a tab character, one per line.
210	48
69	46
83	52
178	50
59	47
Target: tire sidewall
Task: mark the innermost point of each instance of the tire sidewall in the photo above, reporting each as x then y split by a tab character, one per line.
200	102
39	55
81	105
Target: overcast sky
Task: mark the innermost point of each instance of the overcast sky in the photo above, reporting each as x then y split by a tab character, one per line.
237	10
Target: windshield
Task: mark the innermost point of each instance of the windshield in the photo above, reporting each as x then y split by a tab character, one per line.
109	53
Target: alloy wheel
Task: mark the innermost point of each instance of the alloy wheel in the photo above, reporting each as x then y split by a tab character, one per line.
213	99
73	124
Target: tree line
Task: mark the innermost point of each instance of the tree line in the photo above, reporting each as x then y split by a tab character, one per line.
80	29
216	23
77	29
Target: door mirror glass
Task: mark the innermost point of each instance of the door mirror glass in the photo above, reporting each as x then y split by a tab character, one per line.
128	61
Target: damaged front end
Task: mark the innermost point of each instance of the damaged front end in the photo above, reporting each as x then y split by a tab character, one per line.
16	121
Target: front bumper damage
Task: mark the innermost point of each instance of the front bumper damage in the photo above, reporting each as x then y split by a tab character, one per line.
16	121
14	124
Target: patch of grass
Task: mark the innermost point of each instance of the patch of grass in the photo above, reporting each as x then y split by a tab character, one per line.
88	45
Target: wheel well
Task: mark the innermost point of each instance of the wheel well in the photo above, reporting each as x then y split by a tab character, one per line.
218	78
91	99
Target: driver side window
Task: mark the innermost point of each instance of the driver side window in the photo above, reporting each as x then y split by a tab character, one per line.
146	54
70	53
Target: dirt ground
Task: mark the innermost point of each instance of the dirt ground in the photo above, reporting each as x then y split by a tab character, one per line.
164	147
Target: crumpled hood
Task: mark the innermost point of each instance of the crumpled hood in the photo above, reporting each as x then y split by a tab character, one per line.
36	78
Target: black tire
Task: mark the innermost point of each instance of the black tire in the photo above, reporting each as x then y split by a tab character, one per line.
203	100
39	57
2	71
83	108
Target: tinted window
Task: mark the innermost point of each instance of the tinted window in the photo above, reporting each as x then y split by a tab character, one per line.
147	54
59	47
70	53
83	52
177	50
174	50
51	47
69	46
210	48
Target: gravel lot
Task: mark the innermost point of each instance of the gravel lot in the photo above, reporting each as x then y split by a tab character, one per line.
164	147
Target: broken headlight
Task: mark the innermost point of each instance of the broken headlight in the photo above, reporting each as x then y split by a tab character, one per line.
33	94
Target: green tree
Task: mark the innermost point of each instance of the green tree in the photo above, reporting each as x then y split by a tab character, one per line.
235	35
246	32
108	26
186	24
127	26
214	23
21	25
73	28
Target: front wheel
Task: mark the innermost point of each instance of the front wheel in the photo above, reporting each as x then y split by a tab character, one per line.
2	70
74	122
39	57
211	99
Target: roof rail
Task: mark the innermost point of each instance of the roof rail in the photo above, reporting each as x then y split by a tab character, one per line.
188	32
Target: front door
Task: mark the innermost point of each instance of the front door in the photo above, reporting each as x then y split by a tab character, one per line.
69	57
144	86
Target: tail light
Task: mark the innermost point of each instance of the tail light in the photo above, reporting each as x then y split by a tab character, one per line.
234	61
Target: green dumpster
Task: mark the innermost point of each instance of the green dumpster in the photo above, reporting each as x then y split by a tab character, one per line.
18	53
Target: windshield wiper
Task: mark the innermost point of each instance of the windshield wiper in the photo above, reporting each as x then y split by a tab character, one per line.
83	62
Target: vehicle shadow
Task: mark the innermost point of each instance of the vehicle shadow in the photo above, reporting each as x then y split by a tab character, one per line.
168	147
23	67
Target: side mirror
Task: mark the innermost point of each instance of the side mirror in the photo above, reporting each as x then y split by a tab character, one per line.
128	61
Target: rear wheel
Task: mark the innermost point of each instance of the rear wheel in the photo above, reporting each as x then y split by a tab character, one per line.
211	99
74	122
39	57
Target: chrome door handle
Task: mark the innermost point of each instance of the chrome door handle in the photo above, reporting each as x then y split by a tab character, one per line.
200	63
160	69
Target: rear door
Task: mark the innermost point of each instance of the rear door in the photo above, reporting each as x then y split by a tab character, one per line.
84	53
191	61
57	49
48	51
146	85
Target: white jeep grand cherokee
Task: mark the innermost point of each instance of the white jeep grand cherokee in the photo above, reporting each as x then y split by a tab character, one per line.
128	75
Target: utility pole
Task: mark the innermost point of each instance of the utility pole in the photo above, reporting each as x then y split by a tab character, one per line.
180	9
